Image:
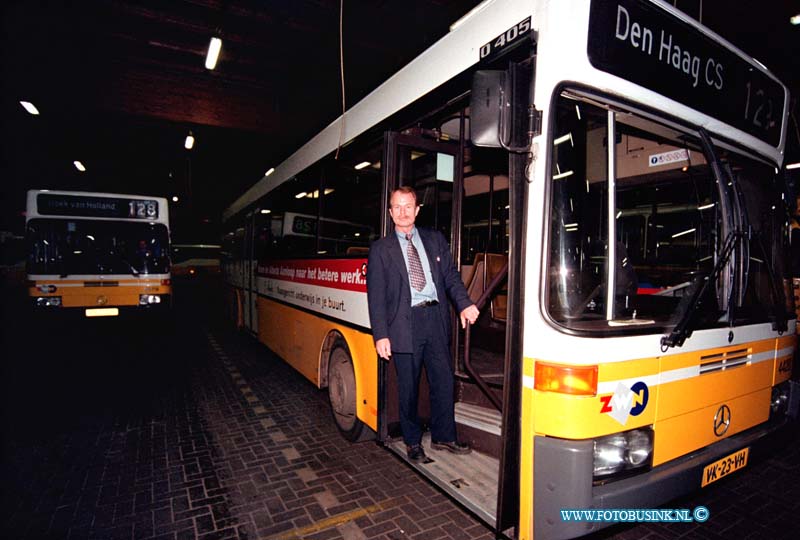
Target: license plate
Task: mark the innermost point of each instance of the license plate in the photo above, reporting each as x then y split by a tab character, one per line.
725	466
102	312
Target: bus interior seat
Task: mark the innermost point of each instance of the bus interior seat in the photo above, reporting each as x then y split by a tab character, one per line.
474	280
494	265
484	268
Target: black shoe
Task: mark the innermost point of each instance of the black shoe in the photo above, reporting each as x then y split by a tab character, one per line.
416	453
455	447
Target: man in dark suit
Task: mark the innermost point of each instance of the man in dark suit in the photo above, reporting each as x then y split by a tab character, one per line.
410	276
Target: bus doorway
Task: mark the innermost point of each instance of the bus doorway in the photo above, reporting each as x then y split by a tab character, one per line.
463	193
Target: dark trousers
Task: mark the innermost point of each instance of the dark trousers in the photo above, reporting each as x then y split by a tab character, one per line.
431	348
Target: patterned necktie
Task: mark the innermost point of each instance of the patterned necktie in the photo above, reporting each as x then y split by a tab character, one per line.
415	271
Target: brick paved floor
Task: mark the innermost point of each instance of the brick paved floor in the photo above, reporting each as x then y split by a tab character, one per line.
110	431
208	436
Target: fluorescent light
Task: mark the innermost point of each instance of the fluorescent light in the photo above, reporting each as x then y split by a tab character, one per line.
174	198
328	190
563	175
706	206
791	166
795	20
79	166
269	172
619	214
563	139
214	46
362	165
30	107
189	142
682	233
266	211
300	195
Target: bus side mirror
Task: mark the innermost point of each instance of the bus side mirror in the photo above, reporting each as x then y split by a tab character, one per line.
490	107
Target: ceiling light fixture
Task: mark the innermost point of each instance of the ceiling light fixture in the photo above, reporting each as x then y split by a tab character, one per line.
30	107
795	20
189	143
79	166
266	211
174	198
270	171
362	165
792	166
214	46
683	233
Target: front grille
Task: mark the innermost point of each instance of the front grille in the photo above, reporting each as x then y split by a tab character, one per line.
725	360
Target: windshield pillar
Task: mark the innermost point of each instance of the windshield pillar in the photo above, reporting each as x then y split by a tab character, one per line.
612	212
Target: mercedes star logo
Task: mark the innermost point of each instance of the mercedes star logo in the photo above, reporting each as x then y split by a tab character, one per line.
722	420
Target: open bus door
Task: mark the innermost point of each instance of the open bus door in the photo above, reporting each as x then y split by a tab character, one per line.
461	203
432	167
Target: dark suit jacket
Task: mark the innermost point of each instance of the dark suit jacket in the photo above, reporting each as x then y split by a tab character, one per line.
389	292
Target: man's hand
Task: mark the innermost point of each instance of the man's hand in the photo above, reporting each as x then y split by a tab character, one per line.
470	314
384	348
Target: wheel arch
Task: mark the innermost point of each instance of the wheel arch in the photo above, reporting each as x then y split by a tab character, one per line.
332	339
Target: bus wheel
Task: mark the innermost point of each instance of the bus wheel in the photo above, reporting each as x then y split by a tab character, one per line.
342	394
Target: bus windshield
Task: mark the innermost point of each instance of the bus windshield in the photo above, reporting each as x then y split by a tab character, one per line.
670	220
80	246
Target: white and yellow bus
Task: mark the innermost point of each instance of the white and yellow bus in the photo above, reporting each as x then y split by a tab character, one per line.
195	260
608	175
98	254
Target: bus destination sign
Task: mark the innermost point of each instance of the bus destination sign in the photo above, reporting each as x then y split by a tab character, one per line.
85	205
637	41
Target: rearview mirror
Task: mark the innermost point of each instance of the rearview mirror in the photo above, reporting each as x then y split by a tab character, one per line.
490	105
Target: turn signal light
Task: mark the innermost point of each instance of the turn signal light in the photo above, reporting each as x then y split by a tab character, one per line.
574	380
166	282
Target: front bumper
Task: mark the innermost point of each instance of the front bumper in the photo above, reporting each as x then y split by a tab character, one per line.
563	466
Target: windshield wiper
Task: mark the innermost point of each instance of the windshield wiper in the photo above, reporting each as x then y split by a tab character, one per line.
780	322
690	304
123	260
682	328
133	270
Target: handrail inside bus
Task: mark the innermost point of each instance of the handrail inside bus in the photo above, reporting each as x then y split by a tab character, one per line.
490	291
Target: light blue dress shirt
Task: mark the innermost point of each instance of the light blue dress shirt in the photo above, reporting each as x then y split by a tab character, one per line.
429	291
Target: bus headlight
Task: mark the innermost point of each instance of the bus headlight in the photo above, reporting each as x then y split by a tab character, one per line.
148	299
609	455
48	301
622	451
